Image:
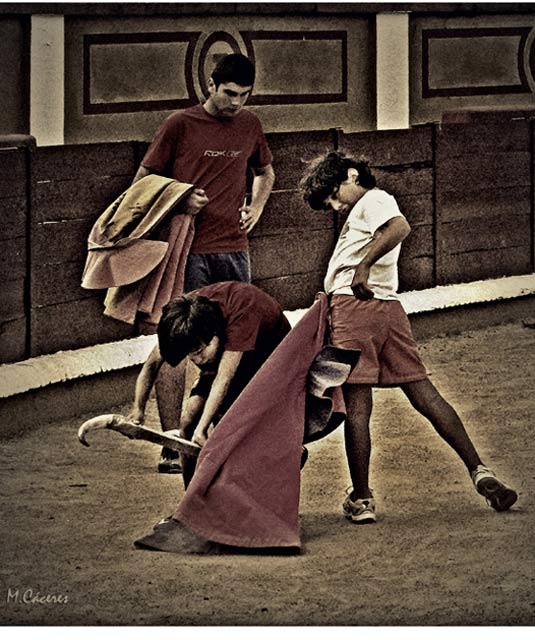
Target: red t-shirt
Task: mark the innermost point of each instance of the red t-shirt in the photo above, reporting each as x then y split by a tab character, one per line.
254	320
212	153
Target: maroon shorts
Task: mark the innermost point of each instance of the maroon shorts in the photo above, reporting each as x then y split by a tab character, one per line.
382	331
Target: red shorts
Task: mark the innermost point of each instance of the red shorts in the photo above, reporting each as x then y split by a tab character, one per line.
382	331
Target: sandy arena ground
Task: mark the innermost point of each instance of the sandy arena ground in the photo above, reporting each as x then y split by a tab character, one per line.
437	556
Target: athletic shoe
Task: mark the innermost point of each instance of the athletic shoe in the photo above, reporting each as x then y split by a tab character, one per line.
169	465
361	511
499	496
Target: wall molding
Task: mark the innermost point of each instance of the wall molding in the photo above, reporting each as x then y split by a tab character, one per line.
91	106
428	35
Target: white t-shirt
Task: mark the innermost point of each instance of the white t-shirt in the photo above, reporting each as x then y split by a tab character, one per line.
372	211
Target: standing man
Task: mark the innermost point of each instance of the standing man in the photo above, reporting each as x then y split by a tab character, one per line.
212	146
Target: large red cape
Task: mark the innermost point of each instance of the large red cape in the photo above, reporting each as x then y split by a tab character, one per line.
245	490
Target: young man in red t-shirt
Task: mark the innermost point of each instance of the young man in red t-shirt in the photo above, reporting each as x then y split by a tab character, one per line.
212	145
228	330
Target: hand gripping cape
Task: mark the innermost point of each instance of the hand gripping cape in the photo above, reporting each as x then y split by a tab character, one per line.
245	490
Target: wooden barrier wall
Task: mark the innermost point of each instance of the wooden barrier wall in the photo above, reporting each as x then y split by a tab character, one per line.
13	254
291	245
466	189
403	164
70	187
484	206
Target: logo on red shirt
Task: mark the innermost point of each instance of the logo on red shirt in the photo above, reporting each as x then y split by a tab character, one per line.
225	153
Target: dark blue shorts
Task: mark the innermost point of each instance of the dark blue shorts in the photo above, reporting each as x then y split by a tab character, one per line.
203	269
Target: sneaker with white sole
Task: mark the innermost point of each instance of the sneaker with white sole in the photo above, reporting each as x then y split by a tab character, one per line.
498	495
360	511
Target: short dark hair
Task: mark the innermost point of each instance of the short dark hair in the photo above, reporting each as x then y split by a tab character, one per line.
186	324
234	68
326	173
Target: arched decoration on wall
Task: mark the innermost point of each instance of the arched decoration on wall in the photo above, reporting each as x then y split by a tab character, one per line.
122	77
531	56
213	39
118	68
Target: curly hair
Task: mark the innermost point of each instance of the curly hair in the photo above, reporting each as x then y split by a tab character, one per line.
326	173
186	324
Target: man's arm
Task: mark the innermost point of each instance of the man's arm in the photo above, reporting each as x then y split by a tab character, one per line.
190	415
144	383
142	172
388	236
227	368
261	189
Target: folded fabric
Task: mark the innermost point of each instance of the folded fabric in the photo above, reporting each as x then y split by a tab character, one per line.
130	252
245	490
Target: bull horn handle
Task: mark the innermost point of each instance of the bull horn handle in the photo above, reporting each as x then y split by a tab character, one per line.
100	422
169	439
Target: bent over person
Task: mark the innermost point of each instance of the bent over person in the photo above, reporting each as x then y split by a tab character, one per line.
228	330
366	314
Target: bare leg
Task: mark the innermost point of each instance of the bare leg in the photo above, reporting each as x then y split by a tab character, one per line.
358	399
169	389
170	393
426	399
189	464
192	412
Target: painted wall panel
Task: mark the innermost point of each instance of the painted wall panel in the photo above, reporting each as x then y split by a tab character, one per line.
124	76
471	62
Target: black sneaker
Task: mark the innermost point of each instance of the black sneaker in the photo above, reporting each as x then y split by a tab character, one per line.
169	465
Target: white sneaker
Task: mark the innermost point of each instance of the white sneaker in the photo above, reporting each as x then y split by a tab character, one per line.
360	511
498	495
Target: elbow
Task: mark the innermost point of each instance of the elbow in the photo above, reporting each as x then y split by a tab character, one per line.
268	173
405	228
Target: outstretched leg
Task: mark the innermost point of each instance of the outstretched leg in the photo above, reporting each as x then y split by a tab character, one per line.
425	398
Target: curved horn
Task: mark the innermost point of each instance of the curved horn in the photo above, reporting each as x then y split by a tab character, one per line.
170	439
100	422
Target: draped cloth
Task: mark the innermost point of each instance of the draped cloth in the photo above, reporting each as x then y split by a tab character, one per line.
137	249
245	490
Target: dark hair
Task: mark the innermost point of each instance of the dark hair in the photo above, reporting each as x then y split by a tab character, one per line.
326	173
234	68
186	324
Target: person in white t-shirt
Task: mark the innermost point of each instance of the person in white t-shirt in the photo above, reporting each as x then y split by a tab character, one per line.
366	314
